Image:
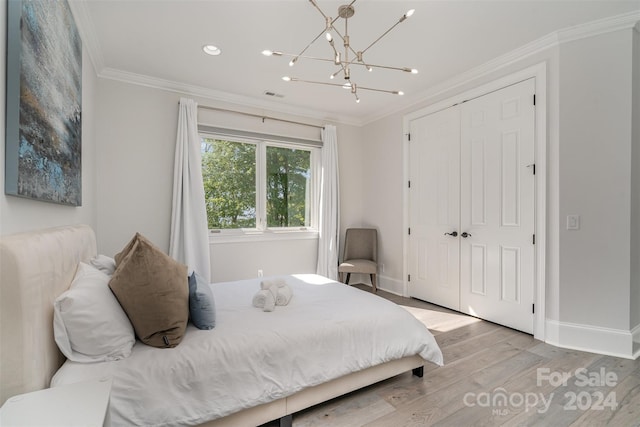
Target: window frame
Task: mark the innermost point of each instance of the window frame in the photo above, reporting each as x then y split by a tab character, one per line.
262	232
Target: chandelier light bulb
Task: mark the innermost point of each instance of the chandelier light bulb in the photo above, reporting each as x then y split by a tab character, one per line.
286	78
369	68
409	13
328	36
357	100
293	61
414	71
267	52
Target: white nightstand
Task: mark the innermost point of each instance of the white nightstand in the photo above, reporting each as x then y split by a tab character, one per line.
82	404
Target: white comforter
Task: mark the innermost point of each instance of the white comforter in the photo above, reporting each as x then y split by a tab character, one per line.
253	357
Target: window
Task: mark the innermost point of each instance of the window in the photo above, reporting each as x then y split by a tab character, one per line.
257	185
229	176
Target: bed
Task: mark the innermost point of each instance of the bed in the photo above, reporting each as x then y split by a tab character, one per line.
274	375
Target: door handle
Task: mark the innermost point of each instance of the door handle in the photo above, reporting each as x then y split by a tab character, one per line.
453	234
465	234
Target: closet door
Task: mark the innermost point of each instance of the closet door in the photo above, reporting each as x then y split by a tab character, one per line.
497	256
434	208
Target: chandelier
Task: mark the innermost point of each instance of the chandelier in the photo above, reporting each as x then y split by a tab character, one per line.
346	58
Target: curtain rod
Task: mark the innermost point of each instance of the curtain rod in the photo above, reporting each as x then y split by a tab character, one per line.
205	107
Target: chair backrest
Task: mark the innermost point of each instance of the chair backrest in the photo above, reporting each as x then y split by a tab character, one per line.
361	243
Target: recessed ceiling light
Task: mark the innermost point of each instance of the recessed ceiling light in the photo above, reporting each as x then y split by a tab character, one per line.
210	49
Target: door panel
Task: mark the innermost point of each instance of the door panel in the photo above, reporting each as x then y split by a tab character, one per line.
469	172
497	206
434	208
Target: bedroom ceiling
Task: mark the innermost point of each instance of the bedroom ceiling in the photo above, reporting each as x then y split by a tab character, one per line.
159	42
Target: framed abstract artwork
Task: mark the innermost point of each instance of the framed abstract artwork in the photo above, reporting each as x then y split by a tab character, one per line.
43	153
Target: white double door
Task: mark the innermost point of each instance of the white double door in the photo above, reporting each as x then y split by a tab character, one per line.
472	205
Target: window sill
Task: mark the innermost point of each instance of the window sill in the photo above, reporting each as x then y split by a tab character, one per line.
216	238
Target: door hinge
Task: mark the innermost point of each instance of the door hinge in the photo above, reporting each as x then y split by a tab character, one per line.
534	239
409	184
409	136
534	99
408	277
409	230
533	167
533	308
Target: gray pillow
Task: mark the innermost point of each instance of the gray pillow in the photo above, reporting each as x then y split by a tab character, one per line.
202	308
153	290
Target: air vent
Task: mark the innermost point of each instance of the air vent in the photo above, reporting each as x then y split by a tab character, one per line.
269	93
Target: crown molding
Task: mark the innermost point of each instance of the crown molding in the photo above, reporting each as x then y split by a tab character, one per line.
624	21
216	95
590	29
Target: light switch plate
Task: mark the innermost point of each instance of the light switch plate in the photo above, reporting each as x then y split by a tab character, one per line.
573	222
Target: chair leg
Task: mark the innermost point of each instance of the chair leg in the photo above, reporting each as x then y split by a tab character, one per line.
341	276
373	283
348	276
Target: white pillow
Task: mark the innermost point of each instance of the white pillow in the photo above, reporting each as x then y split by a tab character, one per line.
104	263
88	323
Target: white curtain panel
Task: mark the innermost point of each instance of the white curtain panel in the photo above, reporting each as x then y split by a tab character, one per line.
189	241
329	220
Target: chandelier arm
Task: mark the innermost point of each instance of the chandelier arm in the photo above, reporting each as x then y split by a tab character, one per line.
320	10
387	67
294	79
393	92
364	64
354	62
315	58
383	34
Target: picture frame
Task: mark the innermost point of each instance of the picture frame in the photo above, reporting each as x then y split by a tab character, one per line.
43	152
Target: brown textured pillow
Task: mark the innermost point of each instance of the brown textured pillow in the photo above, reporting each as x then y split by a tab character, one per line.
153	290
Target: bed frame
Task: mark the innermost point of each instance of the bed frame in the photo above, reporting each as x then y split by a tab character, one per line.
36	267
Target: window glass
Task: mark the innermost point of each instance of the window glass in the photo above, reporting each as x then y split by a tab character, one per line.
288	186
229	175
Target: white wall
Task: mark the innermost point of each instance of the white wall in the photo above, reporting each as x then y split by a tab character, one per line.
595	179
135	150
635	188
382	201
20	214
235	261
135	146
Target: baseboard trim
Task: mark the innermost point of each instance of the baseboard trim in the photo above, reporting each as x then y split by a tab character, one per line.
593	339
635	335
393	286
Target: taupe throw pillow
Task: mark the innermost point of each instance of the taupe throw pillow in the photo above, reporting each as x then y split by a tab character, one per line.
153	290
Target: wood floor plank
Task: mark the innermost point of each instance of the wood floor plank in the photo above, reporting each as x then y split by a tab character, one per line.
627	397
578	394
352	410
482	357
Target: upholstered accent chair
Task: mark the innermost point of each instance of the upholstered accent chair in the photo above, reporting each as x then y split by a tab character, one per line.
360	254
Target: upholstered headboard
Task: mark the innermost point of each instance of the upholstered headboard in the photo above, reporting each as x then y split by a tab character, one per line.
35	268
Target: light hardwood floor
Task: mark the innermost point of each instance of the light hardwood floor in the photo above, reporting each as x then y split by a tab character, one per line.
486	365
